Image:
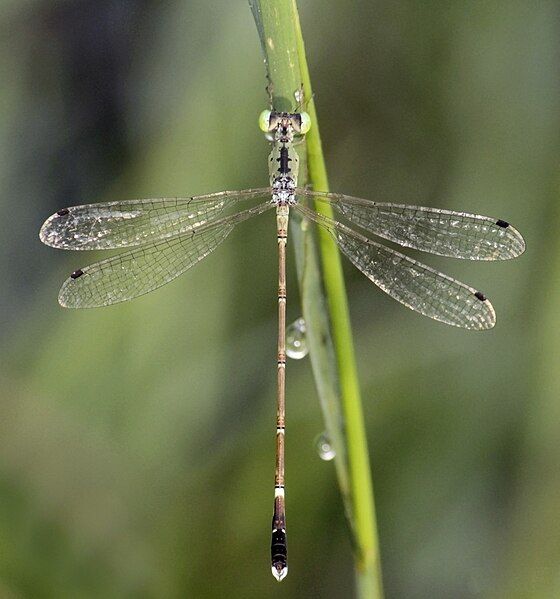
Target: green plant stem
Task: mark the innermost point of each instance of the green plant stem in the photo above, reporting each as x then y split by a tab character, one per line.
282	41
365	526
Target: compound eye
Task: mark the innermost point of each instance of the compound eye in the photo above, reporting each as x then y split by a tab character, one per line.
264	121
305	122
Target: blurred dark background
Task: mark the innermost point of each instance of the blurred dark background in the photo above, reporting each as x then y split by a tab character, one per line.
137	442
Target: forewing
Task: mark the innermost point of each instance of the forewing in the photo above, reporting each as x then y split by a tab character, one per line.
113	225
442	232
141	270
415	285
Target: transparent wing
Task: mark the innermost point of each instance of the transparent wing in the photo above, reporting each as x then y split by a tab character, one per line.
131	223
443	232
415	285
140	270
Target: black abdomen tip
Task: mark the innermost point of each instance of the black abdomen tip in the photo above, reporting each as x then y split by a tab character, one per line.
76	274
479	295
279	554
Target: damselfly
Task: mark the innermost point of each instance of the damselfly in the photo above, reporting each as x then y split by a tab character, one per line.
169	235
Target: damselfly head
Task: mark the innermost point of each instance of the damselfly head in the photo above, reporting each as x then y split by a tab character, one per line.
284	126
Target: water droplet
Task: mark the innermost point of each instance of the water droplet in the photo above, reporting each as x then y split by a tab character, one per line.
296	343
324	448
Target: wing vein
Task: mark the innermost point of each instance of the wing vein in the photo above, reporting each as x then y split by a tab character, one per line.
433	230
113	225
417	286
143	269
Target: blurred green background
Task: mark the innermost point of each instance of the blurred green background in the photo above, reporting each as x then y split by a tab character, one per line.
137	442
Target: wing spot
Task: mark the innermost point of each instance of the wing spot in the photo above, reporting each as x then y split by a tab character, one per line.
502	223
77	273
480	296
63	212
